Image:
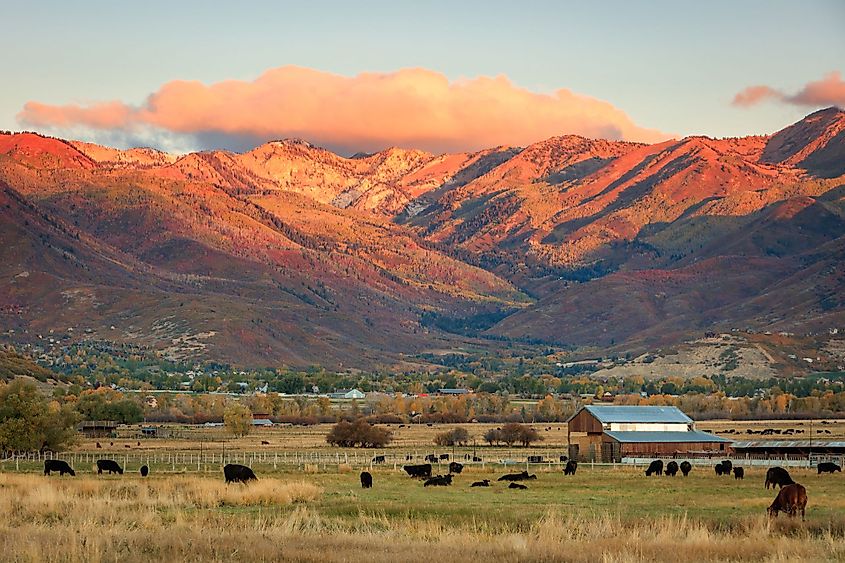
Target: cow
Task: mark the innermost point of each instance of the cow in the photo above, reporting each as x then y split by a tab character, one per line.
476	459
438	481
145	471
98	445
563	459
418	471
444	457
517	486
778	476
535	459
409	457
108	465
654	468
58	465
236	473
791	498
523	476
127	446
686	467
431	458
265	443
366	480
671	468
455	467
378	459
739	473
719	468
828	467
727	466
482	483
571	467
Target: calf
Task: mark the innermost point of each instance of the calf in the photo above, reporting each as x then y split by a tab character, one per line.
438	481
791	498
778	476
378	459
828	467
739	473
517	486
571	467
57	465
366	480
671	468
418	471
686	467
108	465
482	483
455	467
236	473
654	468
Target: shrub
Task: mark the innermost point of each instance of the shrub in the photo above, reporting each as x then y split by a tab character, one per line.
513	433
454	437
359	433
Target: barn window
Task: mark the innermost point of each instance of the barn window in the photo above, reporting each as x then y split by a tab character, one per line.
722	447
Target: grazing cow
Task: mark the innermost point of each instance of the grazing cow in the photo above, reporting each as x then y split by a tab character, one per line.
517	486
57	465
571	467
98	445
455	467
126	446
791	498
108	465
444	457
686	467
138	444
236	473
654	468
739	473
409	457
778	476
563	459
378	459
482	483
418	471
516	477
431	458
727	466
476	459
265	443
671	468
145	471
366	480
828	467
438	481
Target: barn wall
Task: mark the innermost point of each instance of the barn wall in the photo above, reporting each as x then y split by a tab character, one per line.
649	426
668	448
585	447
585	422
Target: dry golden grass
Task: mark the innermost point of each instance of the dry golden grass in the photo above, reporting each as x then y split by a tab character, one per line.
184	518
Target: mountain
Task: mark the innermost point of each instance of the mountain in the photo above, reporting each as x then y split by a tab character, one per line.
289	253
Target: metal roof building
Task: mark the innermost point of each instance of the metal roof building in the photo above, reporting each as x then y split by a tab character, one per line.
780	447
610	432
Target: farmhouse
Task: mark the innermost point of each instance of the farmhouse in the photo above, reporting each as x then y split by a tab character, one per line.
346	394
608	433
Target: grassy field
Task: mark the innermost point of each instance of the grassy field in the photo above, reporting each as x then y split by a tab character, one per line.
600	514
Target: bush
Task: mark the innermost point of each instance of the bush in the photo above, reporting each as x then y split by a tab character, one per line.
512	433
454	437
359	433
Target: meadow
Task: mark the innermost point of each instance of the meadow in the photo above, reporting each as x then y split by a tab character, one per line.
600	514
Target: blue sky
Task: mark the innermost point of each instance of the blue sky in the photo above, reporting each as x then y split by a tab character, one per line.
671	66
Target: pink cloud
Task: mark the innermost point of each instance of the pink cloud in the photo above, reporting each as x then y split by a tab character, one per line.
415	108
829	91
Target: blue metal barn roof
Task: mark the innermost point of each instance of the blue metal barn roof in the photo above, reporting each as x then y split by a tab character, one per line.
649	437
616	413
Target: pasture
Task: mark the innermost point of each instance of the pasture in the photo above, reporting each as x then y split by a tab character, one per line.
607	513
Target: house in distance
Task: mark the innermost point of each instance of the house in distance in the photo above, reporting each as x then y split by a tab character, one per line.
607	433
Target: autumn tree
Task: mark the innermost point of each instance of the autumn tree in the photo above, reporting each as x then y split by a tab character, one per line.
238	419
514	432
30	422
455	437
359	433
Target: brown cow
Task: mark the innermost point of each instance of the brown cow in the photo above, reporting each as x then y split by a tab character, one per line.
790	499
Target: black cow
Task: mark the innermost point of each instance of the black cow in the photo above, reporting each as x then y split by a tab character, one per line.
778	476
476	459
57	465
654	468
739	473
720	469
444	457
418	471
727	466
482	483
366	480
265	443
686	467
145	471
108	465
828	467
235	473
517	486
522	476
378	459
671	468
563	459
455	467
535	459
438	481
98	445
571	467
431	458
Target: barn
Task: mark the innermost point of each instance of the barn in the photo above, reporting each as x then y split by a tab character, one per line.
608	433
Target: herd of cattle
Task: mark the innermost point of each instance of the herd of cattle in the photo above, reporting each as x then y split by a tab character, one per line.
791	498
